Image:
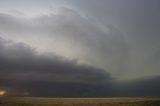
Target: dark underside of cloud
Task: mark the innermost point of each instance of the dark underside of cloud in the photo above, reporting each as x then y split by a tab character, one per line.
147	87
24	72
19	61
70	34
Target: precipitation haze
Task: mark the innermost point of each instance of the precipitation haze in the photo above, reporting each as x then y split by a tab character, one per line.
80	48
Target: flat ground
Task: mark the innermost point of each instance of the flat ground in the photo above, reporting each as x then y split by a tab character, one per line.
122	101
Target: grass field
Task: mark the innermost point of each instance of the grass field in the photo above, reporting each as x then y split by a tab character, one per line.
31	101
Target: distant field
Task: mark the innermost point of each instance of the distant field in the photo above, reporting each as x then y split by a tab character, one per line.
31	101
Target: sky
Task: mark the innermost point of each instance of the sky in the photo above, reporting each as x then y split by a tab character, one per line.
80	48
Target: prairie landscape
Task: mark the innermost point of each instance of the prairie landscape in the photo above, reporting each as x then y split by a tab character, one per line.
39	101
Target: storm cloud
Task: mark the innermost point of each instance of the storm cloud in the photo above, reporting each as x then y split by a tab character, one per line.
25	72
22	67
20	62
68	33
80	48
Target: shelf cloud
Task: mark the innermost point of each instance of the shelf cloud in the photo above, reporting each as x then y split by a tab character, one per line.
78	47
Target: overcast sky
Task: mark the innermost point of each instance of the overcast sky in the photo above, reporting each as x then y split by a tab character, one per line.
68	43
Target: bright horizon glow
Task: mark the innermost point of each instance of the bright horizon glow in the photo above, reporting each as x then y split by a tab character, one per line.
2	92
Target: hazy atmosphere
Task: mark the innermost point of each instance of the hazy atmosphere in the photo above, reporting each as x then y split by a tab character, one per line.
80	48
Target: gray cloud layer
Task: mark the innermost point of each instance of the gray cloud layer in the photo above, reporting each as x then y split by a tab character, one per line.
24	72
139	23
70	34
21	62
80	45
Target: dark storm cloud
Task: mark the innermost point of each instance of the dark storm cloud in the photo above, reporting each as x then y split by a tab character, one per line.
118	36
21	62
141	87
24	71
71	32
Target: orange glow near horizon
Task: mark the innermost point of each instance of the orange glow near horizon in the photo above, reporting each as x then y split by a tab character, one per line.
2	92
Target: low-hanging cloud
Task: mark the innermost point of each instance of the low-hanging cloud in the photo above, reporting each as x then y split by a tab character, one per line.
79	48
21	62
68	33
23	72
